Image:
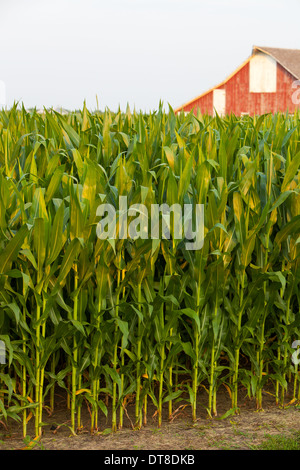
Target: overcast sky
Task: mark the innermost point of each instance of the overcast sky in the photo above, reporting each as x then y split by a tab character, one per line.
62	52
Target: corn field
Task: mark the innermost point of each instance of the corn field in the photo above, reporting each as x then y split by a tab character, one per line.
105	321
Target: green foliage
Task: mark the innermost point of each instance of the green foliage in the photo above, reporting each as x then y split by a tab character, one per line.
279	442
147	318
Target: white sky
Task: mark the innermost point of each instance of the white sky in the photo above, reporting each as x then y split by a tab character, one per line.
62	52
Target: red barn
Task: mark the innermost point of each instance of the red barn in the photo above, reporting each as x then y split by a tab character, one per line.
267	81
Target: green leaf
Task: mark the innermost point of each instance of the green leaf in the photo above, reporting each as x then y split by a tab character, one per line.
39	238
56	241
188	349
291	172
172	396
11	250
69	257
170	157
54	183
192	314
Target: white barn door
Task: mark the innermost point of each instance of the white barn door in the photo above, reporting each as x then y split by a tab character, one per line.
219	102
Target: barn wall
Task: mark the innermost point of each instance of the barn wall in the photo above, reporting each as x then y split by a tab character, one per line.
285	90
239	100
237	92
205	103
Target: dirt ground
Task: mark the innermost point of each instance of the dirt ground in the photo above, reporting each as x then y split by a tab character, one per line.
240	432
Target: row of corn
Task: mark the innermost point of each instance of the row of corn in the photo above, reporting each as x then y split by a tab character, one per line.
145	321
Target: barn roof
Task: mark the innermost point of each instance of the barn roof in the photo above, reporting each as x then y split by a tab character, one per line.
288	58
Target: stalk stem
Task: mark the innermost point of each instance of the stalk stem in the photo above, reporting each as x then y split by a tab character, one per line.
138	416
115	358
75	354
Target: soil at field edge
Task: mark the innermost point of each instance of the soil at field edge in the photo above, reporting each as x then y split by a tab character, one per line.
242	431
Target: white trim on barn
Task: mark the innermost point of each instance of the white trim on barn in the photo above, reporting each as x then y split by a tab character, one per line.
262	74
